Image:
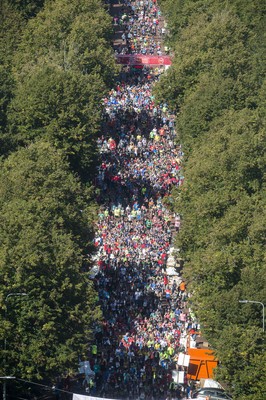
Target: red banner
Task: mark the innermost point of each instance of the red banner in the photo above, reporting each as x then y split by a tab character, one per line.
140	59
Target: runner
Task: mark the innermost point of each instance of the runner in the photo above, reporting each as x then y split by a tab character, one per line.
146	314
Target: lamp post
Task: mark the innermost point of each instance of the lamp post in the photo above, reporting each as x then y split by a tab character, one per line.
5	341
263	312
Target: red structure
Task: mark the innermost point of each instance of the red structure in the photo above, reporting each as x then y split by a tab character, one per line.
140	59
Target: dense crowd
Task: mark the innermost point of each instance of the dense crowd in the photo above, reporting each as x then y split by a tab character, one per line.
141	28
147	321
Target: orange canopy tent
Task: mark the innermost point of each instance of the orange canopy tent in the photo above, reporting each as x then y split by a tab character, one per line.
201	364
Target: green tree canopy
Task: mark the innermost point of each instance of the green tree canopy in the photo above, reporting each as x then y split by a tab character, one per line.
73	35
45	230
61	70
216	85
59	106
11	25
28	8
214	44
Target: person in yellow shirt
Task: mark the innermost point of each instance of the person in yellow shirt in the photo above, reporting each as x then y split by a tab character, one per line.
117	212
170	351
157	346
134	213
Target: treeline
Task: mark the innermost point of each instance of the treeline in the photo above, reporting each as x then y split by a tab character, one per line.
56	64
217	87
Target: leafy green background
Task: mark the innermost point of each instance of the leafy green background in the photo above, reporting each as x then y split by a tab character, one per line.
56	64
216	86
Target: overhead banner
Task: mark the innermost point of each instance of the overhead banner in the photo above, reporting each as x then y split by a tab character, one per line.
140	59
84	397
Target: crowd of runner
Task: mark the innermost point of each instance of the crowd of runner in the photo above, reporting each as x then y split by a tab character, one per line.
141	26
147	321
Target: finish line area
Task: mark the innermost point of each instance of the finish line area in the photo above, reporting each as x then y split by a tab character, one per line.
141	60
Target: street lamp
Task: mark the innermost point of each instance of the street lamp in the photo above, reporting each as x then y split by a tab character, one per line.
19	294
263	313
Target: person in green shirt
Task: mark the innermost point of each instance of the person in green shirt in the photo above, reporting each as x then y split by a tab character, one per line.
101	215
94	349
148	223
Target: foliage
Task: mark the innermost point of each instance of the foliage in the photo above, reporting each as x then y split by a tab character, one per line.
28	8
59	106
216	85
204	48
62	68
56	65
70	35
44	231
244	348
11	25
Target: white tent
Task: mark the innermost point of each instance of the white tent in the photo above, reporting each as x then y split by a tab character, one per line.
211	383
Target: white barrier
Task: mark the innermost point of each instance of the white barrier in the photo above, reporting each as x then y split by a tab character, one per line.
83	397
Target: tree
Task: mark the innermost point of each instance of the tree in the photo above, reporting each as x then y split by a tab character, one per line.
45	238
28	8
217	87
6	87
243	361
60	107
216	43
87	47
11	26
62	69
72	35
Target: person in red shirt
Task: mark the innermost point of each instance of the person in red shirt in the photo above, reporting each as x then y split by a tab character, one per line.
165	280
